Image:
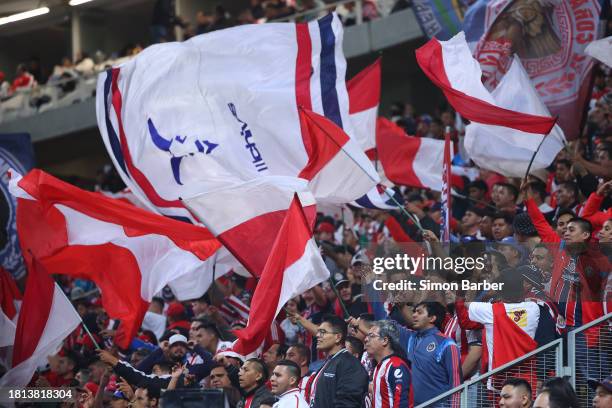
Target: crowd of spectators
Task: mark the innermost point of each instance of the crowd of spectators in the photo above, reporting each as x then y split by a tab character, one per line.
547	238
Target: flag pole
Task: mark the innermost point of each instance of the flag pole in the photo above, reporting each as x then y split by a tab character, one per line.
533	156
342	305
401	207
89	334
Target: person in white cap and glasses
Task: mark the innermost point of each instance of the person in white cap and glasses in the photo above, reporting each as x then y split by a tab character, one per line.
284	383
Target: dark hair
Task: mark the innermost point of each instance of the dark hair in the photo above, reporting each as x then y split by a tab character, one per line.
570	185
585	225
211	328
508	218
565	211
158	300
564	162
538	188
294	369
434	309
338	324
203	299
153	392
479	184
261	367
302	350
355	343
560	393
367	317
164	366
518	382
511	188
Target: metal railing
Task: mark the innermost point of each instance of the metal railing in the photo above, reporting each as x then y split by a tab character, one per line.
589	356
483	391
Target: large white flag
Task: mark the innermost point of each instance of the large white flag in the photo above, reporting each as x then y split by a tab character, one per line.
182	119
506	150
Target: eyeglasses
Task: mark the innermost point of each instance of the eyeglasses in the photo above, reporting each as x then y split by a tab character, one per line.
323	332
371	336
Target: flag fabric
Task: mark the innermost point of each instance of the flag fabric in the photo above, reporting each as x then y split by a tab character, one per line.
129	253
600	49
10	296
509	151
233	117
445	233
440	18
7	332
46	318
379	198
15	153
550	38
294	266
409	160
451	67
364	98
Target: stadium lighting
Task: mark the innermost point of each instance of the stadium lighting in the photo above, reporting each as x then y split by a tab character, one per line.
78	2
24	15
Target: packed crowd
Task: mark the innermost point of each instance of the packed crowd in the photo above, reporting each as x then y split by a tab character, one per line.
548	239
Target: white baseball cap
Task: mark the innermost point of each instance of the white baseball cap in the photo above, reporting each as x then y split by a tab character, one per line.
176	339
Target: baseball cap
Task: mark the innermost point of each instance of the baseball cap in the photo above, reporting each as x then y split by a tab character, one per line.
175	309
229	352
606	383
360	258
531	274
514	244
177	339
341	282
522	225
326	227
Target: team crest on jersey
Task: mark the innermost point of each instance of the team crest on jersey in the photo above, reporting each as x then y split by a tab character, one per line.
431	347
397	373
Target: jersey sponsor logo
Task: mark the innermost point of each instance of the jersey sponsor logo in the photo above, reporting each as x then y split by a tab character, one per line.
518	316
431	347
329	375
397	373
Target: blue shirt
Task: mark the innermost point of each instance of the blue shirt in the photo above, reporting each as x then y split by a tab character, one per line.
435	362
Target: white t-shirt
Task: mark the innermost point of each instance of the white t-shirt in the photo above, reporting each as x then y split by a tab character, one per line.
525	314
291	399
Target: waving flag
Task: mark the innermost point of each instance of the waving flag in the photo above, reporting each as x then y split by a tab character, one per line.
379	198
509	151
129	253
451	67
234	117
409	160
364	98
294	266
550	38
439	18
46	319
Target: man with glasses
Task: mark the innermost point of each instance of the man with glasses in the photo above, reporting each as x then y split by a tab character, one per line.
391	384
341	382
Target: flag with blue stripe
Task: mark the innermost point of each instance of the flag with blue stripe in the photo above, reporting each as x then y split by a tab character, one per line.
379	198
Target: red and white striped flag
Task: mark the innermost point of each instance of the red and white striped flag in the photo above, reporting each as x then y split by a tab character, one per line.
446	194
130	253
46	318
294	266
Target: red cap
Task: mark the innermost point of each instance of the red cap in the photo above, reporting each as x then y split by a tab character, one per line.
326	227
93	387
175	309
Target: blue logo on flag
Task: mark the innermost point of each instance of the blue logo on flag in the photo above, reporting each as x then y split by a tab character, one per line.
250	145
202	146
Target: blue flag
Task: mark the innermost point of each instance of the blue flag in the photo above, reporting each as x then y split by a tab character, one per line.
441	19
15	153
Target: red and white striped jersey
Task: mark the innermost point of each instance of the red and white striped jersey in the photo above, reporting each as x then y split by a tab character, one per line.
391	385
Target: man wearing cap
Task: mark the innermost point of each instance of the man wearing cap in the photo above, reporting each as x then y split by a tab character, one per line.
603	392
512	251
177	350
353	307
470	223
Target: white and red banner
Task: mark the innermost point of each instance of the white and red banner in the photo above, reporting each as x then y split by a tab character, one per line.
508	151
46	318
364	98
410	160
294	266
451	67
130	253
550	38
